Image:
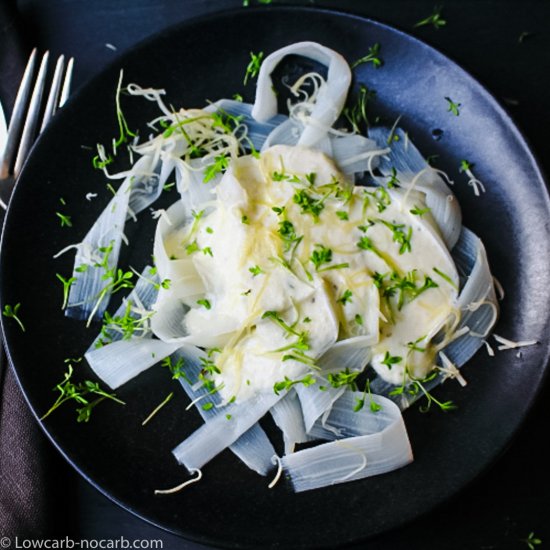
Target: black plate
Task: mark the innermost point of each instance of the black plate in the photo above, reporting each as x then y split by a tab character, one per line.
231	506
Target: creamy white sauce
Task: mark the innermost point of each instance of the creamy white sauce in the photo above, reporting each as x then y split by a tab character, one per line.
248	269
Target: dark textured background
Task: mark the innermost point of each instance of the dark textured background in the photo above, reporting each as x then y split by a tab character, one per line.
513	498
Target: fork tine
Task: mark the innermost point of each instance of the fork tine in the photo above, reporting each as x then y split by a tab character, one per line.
18	117
54	92
33	113
66	89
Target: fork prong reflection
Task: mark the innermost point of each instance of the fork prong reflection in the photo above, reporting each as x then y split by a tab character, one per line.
18	117
31	121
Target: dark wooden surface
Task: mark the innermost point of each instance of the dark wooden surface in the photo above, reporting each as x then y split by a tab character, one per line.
488	39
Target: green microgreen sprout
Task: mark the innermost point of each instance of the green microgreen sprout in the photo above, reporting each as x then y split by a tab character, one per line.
102	159
357	114
433	19
360	401
323	255
373	56
445	277
176	369
311	177
127	325
297	347
67	283
414	346
393	180
453	107
124	132
117	279
65	220
79	393
346	297
417	211
465	165
256	270
308	204
300	345
253	67
343	215
390	360
12	313
403	285
531	541
381	199
165	283
414	386
365	243
343	378
100	163
288	235
192	248
208	369
278	320
399	235
220	165
287	383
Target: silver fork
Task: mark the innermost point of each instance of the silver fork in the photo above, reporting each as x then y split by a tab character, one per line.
28	119
30	116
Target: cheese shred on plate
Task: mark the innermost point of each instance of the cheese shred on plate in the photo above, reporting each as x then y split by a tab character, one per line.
283	286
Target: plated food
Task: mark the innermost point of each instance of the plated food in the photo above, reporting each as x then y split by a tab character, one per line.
231	505
280	285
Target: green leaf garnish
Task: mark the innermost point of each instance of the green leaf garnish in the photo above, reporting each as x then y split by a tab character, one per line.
65	220
343	215
531	541
253	67
176	369
308	204
344	378
287	383
453	107
256	270
346	297
399	235
390	360
219	165
417	211
67	283
357	114
371	57
69	391
12	313
433	19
